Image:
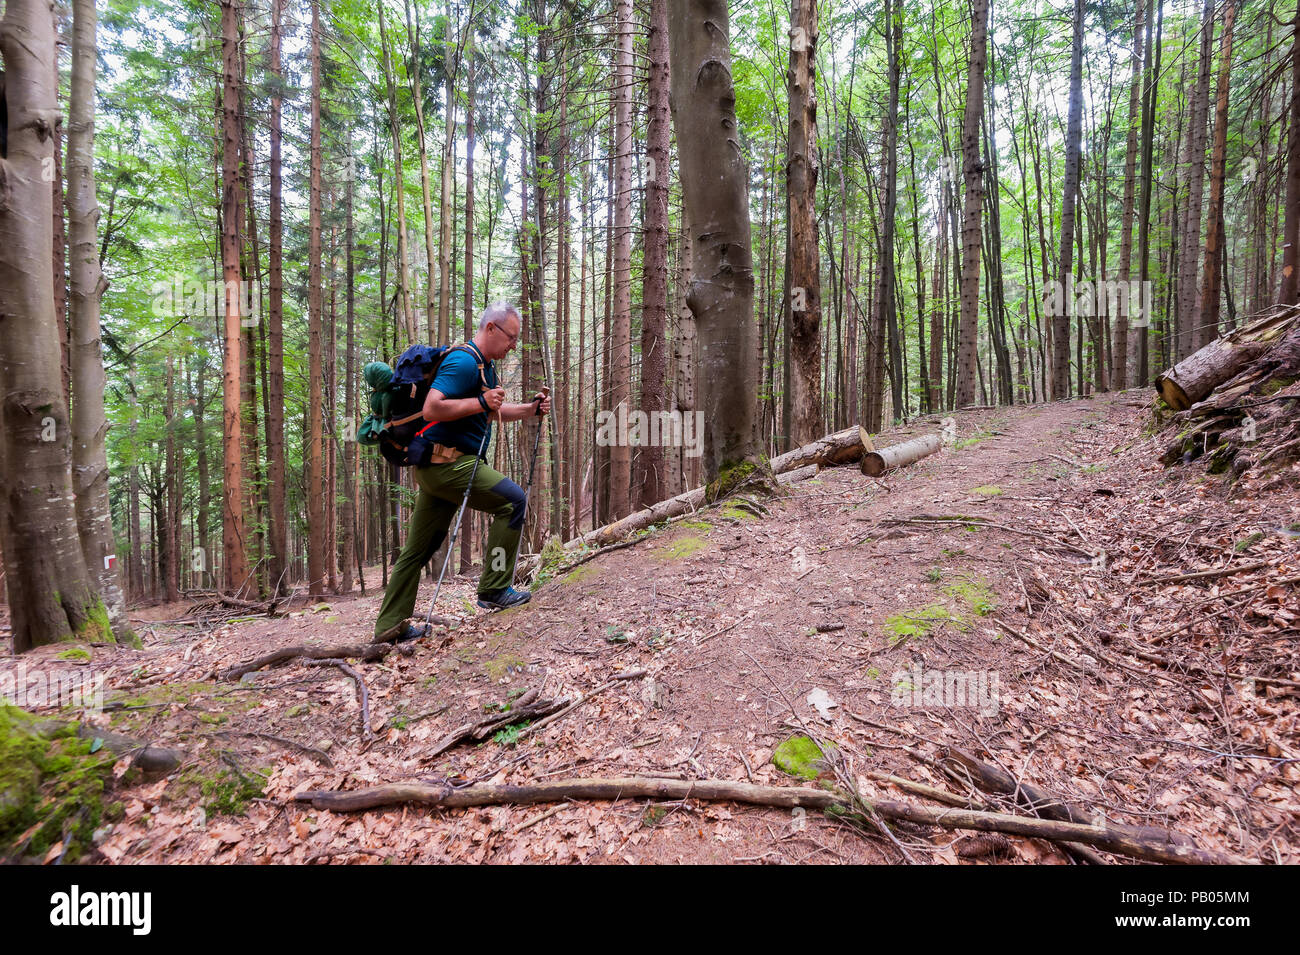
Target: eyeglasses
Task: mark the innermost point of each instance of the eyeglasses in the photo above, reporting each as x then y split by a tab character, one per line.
511	338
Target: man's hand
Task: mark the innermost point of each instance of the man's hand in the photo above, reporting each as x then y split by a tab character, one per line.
545	400
495	398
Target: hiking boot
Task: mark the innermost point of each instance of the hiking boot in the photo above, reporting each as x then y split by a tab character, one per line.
402	633
501	599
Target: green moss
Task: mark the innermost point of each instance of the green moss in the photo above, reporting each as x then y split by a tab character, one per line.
917	623
553	557
1275	385
738	513
987	490
1093	468
734	475
800	756
230	793
973	440
75	653
579	574
498	667
977	594
96	627
51	780
697	525
682	547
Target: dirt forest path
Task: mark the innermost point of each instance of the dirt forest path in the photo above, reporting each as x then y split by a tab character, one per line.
1023	565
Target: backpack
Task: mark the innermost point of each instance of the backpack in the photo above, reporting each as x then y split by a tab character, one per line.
396	423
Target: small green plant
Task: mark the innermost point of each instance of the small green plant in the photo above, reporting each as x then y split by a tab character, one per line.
1246	543
653	816
509	735
615	634
934	575
917	623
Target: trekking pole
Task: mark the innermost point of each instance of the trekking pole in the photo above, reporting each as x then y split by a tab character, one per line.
528	491
455	529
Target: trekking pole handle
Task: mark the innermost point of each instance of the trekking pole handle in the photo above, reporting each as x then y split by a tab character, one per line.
546	393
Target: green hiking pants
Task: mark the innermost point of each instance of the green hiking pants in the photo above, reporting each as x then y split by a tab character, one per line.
442	488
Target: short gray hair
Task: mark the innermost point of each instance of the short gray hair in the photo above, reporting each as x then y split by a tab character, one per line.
497	312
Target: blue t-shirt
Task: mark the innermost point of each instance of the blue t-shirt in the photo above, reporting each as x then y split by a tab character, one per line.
458	377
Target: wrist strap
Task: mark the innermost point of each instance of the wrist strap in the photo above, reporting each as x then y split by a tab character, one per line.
484	403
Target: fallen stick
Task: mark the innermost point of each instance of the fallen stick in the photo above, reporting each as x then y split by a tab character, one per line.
993	779
1203	574
630	675
317	754
480	729
982	522
360	682
781	797
367	652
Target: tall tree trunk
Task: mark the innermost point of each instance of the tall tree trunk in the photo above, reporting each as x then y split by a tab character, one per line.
1289	289
1191	331
803	303
436	332
405	309
715	182
315	457
620	385
1119	370
1150	71
277	567
89	426
968	332
1214	237
51	595
1073	137
650	477
234	545
447	212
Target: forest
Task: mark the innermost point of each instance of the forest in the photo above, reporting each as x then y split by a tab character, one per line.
1044	249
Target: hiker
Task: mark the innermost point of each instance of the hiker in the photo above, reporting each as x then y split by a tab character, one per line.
463	399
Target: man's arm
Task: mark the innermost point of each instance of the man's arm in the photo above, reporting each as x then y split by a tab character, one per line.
517	412
438	407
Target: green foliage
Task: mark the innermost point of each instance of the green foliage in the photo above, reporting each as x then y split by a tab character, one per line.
52	785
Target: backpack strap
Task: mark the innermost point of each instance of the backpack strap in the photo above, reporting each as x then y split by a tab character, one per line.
478	359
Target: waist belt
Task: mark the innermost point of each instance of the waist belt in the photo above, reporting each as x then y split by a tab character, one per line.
444	455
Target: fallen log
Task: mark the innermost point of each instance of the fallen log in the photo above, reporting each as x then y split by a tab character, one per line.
1193	378
675	507
366	652
782	797
992	779
841	447
876	463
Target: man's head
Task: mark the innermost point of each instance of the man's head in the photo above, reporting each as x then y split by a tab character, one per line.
498	330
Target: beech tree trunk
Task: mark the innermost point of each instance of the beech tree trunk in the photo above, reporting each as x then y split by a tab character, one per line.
715	184
803	305
968	330
51	595
87	284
